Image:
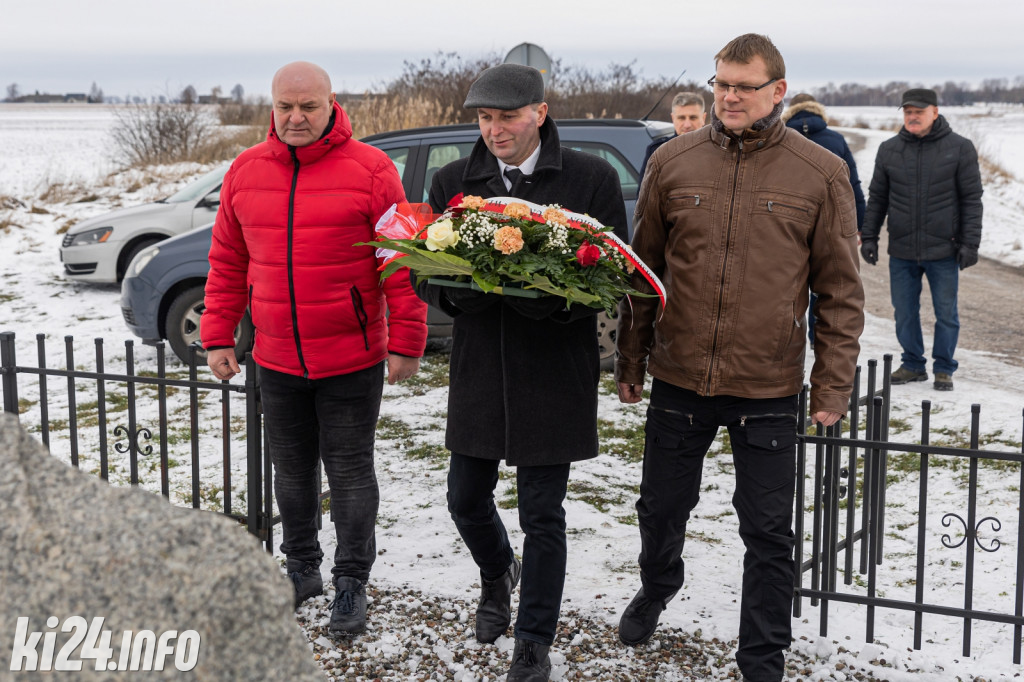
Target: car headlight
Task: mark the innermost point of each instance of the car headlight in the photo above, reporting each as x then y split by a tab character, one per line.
142	260
97	236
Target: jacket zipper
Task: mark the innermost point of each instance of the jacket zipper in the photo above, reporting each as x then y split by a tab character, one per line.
686	415
291	265
725	260
745	417
695	197
772	204
357	303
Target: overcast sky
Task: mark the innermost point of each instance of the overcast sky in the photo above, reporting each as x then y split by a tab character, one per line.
129	47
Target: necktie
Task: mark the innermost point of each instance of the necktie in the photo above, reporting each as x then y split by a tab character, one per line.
515	176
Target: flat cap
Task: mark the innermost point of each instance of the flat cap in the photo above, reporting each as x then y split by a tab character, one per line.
506	86
919	97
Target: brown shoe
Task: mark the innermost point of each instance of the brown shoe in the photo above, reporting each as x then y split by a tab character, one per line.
905	375
943	382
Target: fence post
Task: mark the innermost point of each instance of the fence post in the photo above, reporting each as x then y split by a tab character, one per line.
253	453
9	372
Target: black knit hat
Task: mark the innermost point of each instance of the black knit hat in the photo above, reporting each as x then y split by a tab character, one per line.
506	86
920	98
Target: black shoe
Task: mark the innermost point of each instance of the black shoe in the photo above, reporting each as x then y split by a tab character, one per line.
530	663
494	612
640	619
348	610
905	375
308	583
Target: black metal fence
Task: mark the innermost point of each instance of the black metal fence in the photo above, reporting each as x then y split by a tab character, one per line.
112	419
846	509
843	479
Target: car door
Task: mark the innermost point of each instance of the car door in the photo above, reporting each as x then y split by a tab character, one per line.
629	179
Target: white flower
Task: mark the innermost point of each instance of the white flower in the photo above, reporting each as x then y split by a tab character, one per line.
441	235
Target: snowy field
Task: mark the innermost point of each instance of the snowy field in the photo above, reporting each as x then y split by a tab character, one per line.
418	544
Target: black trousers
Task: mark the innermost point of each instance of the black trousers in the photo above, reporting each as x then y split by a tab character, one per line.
681	426
333	420
541	490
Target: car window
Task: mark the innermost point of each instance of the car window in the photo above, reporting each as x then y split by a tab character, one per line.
441	155
400	157
627	176
200	188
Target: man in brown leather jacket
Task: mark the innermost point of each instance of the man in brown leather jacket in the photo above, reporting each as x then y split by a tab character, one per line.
739	220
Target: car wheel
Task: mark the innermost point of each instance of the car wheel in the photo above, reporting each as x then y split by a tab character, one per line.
606	339
129	254
182	326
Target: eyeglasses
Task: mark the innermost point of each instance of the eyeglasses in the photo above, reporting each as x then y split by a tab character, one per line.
741	90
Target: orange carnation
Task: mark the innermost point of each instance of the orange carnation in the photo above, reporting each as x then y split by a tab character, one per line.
516	210
508	240
554	216
472	201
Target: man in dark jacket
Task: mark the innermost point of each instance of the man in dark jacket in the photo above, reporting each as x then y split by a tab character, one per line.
927	181
807	116
687	114
738	219
524	372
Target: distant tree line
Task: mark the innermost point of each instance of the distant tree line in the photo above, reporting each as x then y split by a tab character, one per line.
991	90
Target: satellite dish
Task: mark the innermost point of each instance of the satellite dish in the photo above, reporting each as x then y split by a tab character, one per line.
531	55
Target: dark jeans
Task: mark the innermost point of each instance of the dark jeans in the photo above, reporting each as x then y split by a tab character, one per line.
333	420
471	483
905	289
680	429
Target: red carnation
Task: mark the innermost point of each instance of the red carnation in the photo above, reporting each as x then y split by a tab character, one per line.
455	200
588	254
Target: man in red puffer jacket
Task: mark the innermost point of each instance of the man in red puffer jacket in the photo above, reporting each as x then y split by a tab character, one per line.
292	209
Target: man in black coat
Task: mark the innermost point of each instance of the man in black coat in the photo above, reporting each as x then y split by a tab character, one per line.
524	372
807	116
928	182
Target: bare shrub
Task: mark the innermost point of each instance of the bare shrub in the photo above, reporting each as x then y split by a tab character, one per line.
380	113
147	134
616	92
225	145
432	92
440	82
251	112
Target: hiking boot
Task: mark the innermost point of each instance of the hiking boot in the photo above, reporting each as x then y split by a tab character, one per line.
348	610
640	619
905	375
494	612
308	582
530	663
943	382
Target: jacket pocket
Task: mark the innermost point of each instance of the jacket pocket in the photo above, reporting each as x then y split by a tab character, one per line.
361	316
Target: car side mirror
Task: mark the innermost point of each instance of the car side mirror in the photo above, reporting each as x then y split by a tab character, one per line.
211	200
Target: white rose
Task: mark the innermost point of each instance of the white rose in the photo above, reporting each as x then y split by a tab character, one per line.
441	235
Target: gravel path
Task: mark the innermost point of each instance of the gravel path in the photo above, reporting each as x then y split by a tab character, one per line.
412	636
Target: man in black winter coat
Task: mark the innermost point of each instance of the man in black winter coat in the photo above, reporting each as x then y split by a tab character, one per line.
807	116
524	372
928	182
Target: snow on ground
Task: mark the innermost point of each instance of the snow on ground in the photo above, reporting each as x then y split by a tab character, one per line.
417	543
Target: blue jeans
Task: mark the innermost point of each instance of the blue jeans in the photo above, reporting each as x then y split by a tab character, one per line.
333	420
905	288
541	490
681	427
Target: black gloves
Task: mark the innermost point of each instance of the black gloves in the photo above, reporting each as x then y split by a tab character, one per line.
536	308
869	251
966	256
469	300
